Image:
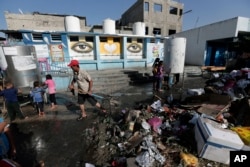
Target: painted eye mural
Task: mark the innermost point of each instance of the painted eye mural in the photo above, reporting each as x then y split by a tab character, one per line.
82	47
134	48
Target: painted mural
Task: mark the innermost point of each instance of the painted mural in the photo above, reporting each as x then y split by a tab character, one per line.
154	50
134	49
82	49
110	47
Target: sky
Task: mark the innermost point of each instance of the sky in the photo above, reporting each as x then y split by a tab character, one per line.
203	11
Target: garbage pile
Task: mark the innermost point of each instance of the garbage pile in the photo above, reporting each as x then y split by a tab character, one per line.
170	133
236	84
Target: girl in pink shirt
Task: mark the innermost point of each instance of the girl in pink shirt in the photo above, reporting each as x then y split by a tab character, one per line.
52	90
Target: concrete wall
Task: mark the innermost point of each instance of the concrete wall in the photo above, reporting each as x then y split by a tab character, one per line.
197	38
45	22
243	24
94	51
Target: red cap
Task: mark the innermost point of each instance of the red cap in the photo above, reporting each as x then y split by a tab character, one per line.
73	63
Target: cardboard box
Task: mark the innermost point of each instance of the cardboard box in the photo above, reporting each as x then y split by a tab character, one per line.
215	143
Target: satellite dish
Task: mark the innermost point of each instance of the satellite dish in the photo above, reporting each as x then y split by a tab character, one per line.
20	11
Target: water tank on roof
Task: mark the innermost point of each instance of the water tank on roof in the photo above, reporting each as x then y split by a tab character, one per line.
109	26
139	28
72	24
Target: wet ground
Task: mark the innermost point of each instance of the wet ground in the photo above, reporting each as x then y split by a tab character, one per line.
58	139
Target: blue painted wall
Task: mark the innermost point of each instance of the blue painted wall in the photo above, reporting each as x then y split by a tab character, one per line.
97	60
94	51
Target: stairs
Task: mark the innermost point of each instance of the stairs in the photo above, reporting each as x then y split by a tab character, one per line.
110	81
114	80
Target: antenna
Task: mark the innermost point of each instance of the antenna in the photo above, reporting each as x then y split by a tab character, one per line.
20	11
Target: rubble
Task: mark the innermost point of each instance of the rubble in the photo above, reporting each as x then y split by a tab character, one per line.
166	132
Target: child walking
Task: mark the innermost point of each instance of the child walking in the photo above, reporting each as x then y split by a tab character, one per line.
154	71
160	76
52	90
12	104
37	94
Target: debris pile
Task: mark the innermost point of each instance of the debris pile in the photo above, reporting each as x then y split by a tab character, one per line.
199	130
236	84
169	133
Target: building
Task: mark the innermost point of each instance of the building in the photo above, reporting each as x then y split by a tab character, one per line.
41	21
216	43
115	44
161	17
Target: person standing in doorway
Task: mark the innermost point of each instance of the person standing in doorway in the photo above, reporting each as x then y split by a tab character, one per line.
52	90
85	85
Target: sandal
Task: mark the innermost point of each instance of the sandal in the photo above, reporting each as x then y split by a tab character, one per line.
81	118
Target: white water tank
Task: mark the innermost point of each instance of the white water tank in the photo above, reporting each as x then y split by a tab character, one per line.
139	28
72	24
109	26
174	54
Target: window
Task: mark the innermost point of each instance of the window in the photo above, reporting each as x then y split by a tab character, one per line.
146	6
117	40
157	31
180	12
170	32
129	40
56	37
74	38
152	40
146	30
89	39
16	35
103	39
37	37
157	7
173	10
139	40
